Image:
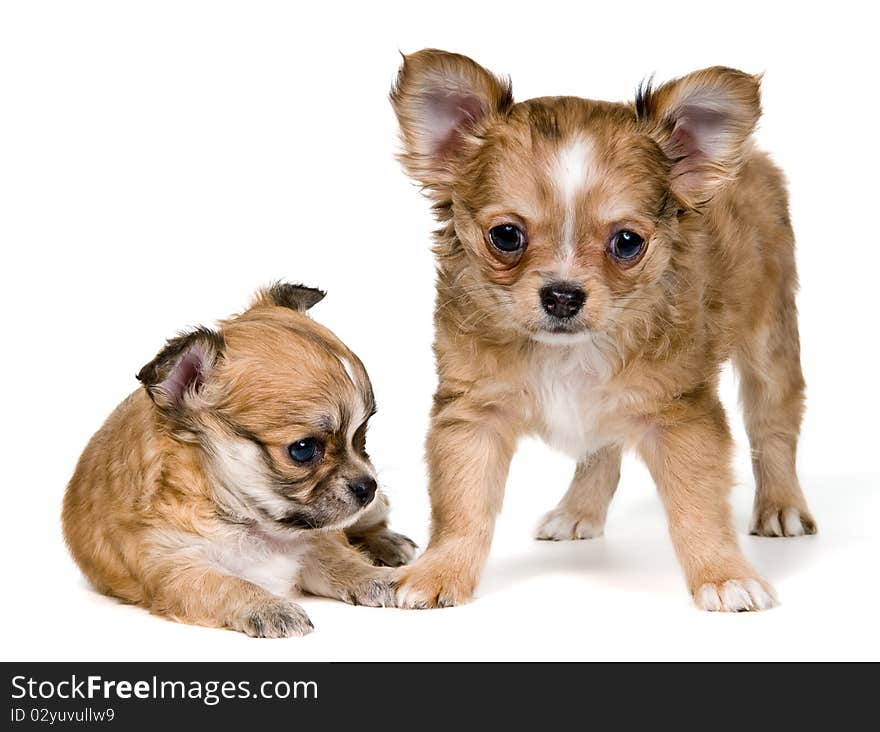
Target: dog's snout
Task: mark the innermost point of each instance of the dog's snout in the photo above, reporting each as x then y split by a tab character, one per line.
364	489
562	300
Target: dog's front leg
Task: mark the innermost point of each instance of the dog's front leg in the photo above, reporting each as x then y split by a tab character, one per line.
334	568
468	460
193	592
689	455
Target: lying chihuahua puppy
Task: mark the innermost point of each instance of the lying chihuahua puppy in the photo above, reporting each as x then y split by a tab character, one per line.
231	477
598	262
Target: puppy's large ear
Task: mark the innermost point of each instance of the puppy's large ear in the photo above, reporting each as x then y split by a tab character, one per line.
440	99
174	379
287	295
702	122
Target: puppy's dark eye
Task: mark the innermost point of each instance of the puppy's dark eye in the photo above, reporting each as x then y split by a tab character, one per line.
305	450
626	245
507	238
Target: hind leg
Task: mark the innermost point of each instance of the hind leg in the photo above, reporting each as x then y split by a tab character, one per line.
582	510
772	394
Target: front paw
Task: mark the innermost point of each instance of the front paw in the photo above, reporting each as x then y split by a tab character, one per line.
431	584
386	548
781	521
735	595
561	525
275	618
374	590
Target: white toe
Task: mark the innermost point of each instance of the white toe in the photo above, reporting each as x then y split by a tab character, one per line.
791	521
563	526
763	599
772	526
707	598
409	598
587	530
734	596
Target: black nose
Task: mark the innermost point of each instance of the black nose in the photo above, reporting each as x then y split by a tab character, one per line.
364	489
562	300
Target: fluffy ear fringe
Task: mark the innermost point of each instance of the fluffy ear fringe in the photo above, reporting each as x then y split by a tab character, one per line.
178	373
441	101
702	122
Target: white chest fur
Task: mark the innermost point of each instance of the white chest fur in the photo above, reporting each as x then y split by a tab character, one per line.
569	399
269	563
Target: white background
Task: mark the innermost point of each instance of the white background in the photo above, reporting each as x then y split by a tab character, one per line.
159	161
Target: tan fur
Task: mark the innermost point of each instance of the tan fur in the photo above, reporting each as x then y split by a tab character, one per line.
638	366
156	515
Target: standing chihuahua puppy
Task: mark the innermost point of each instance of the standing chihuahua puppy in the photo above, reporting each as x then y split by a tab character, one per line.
598	262
210	494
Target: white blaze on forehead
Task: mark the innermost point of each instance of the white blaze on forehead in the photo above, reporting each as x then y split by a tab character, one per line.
357	419
571	170
349	371
346	364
